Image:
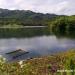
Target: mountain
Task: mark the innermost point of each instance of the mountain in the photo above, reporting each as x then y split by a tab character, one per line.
5	13
24	17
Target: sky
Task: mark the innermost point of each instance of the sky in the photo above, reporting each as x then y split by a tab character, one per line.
64	7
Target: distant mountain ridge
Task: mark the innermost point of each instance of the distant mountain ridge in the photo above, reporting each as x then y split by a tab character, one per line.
24	17
26	13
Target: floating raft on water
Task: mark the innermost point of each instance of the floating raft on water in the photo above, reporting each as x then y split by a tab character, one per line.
17	53
12	52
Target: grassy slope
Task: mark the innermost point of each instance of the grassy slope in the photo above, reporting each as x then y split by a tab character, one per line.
41	66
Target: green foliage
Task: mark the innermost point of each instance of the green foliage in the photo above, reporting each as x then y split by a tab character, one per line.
56	24
25	18
48	65
63	24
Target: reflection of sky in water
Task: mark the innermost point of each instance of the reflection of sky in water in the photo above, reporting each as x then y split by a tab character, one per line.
41	45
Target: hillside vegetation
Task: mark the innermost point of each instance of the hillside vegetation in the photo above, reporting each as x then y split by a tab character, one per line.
23	17
55	23
63	23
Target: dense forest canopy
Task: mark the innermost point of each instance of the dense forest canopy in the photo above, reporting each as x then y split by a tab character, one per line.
63	24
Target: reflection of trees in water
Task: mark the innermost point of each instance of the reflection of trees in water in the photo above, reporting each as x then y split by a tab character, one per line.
30	32
70	34
22	32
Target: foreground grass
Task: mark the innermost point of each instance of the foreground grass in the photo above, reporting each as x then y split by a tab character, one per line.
49	65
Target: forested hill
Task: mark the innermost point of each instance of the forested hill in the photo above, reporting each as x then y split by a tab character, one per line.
23	17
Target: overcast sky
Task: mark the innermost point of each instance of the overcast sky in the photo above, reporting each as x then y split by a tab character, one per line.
44	6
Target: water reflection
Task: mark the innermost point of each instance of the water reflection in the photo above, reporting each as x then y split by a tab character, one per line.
37	41
36	46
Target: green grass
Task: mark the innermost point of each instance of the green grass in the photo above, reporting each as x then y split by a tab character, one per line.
48	65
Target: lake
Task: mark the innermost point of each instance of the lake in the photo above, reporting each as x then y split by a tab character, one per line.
38	42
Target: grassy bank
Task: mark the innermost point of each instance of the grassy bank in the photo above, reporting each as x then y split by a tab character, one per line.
49	65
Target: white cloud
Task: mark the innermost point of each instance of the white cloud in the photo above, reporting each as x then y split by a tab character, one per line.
1	3
45	6
62	6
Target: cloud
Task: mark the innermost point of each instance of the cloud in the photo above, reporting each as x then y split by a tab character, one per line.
44	6
62	7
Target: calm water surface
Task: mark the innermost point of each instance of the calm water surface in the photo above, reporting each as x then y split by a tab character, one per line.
36	46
